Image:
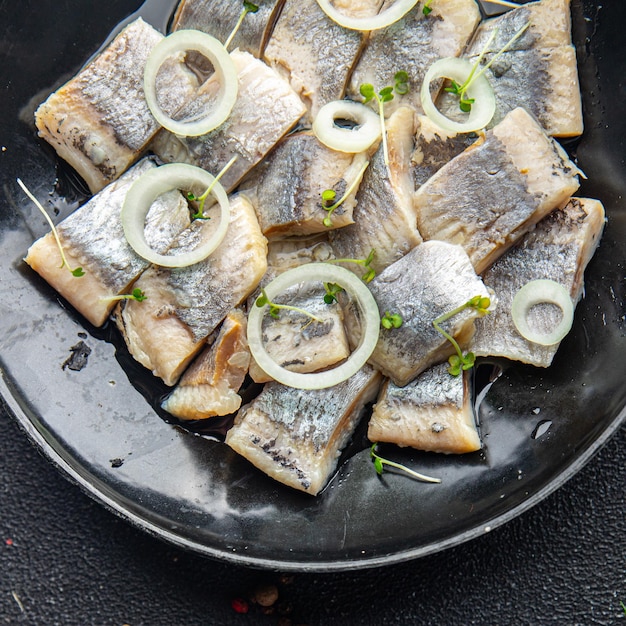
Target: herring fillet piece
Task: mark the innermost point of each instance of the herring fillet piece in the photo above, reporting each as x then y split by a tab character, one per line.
384	215
219	17
296	436
558	249
412	44
209	386
286	188
93	238
184	305
432	413
314	52
99	121
432	279
265	110
494	192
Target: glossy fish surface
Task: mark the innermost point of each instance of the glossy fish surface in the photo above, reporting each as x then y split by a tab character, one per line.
433	413
558	249
295	436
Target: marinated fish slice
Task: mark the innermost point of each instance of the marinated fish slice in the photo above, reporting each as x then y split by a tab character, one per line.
93	238
384	216
299	343
266	109
487	197
184	305
434	147
558	249
433	413
99	121
412	44
219	17
287	187
314	52
432	279
295	436
209	386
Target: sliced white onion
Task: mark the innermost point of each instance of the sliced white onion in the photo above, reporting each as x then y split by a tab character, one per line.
370	326
542	292
357	139
148	187
385	18
458	69
225	71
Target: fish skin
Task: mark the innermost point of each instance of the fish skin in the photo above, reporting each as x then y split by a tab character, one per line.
265	110
432	413
209	386
412	44
287	187
295	436
99	121
185	305
432	279
490	195
93	238
558	249
384	215
219	17
315	53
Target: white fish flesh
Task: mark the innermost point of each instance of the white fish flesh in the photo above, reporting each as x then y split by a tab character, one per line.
432	413
494	192
295	435
93	238
185	305
558	249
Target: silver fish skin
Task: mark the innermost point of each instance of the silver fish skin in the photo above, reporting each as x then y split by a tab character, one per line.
412	44
494	192
93	238
265	110
219	17
384	215
538	73
287	187
432	279
558	249
295	436
185	305
299	343
315	53
209	386
99	121
432	413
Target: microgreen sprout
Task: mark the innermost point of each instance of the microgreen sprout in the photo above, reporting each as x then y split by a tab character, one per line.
248	7
380	462
366	263
401	87
427	9
275	308
136	294
465	103
329	195
391	320
332	289
459	361
199	214
77	271
623	607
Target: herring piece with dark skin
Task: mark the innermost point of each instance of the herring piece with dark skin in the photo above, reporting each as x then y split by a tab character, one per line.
295	436
219	18
185	305
558	249
432	413
93	238
491	194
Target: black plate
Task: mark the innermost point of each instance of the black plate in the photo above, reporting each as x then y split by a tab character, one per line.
539	427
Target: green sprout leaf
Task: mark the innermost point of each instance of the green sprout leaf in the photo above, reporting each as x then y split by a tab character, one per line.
426	9
380	463
391	320
248	7
199	214
366	263
275	309
328	196
331	289
136	294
